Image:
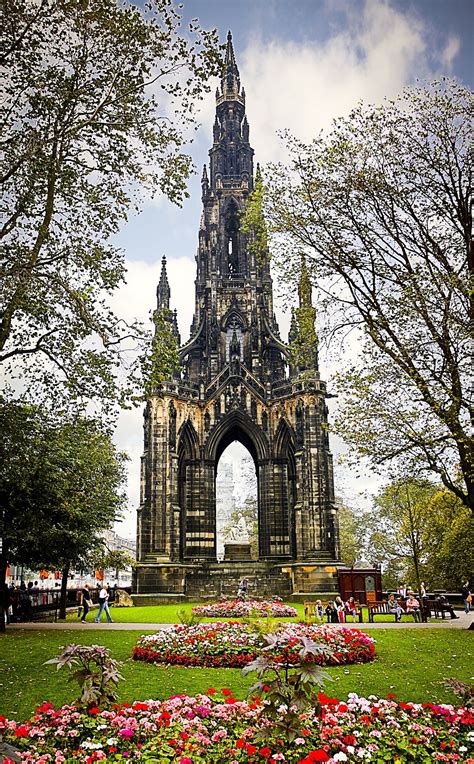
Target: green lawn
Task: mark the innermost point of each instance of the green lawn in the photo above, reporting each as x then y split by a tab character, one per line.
169	614
411	664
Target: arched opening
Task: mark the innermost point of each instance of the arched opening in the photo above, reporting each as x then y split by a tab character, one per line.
236	502
232	239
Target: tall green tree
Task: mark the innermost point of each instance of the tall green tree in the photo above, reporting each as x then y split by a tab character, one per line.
97	100
398	528
351	534
382	209
450	550
60	488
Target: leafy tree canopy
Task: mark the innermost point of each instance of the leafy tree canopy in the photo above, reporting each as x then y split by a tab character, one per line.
97	99
60	487
420	531
382	209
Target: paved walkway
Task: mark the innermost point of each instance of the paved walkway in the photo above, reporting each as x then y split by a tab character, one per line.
463	622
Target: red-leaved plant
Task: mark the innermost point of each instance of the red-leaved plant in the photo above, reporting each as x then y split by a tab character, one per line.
289	680
95	671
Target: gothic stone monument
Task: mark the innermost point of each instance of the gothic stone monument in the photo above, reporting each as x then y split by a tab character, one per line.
237	382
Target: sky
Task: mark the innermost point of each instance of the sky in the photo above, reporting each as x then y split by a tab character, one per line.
302	63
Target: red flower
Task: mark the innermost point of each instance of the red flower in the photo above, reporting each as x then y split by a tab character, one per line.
21	731
318	755
251	749
266	687
265	752
225	691
211	691
349	740
94	710
140	706
45	707
391	695
230	701
240	743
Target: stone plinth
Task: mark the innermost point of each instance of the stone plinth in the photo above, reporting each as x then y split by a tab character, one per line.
237	551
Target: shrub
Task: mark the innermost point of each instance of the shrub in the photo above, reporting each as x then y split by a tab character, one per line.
95	671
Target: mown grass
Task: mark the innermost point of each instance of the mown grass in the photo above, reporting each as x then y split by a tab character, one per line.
169	614
412	664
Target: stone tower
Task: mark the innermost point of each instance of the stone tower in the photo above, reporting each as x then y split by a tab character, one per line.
239	381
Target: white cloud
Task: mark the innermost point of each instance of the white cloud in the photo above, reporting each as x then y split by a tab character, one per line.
450	52
303	87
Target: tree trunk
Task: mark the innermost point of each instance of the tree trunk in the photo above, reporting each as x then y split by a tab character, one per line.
63	596
3	593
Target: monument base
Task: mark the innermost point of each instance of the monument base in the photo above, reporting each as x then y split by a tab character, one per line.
237	552
197	581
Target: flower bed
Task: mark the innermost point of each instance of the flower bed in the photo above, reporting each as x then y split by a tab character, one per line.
201	730
231	644
239	609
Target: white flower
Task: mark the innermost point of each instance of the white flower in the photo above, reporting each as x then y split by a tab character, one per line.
89	745
340	756
299	741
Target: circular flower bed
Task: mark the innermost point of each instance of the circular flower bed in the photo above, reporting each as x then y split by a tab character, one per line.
230	644
200	730
239	609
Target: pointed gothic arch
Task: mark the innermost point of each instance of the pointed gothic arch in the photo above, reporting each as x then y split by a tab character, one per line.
237	425
188	441
284	439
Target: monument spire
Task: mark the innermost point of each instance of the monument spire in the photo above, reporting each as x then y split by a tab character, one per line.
163	292
230	80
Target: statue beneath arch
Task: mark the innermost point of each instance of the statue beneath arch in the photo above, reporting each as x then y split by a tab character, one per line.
238	381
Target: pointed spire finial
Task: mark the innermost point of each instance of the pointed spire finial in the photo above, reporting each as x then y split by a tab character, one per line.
230	77
163	292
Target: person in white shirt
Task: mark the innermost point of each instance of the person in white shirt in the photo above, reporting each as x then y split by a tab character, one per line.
103	605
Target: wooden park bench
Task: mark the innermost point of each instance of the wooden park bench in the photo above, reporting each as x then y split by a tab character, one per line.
381	608
439	608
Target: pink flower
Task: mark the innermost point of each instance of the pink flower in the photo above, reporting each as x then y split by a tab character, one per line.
126	733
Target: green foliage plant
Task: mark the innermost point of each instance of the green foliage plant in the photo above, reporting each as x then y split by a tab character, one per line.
262	626
289	687
95	671
187	617
161	359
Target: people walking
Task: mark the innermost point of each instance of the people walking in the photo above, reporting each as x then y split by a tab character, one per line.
466	596
103	605
85	602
